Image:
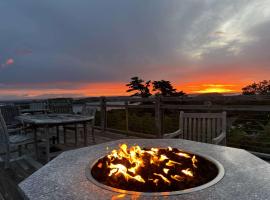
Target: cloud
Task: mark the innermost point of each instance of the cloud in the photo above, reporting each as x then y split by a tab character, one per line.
99	41
23	51
9	61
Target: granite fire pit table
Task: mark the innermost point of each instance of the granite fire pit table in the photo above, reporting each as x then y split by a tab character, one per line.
246	176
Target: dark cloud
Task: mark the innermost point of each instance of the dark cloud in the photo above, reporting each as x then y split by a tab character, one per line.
109	41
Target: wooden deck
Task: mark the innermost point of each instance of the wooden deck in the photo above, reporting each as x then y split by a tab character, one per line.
24	167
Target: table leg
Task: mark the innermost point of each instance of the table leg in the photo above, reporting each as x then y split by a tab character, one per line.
65	135
76	135
47	141
85	134
57	135
92	131
36	143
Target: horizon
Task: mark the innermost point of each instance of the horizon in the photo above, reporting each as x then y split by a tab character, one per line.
79	49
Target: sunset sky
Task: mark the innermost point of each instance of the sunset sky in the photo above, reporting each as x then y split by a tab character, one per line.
92	48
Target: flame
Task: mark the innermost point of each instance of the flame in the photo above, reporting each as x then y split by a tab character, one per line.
99	165
177	177
163	157
194	161
171	163
183	155
166	170
163	178
187	172
129	162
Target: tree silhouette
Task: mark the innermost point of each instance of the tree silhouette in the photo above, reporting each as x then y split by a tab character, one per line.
166	89
261	88
139	86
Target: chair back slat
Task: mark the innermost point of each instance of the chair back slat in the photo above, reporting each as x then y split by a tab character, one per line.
88	110
9	112
203	131
198	129
61	108
37	105
189	128
3	131
194	129
60	105
202	127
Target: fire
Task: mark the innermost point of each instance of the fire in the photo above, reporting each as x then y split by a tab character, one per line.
155	165
152	169
187	172
163	178
183	154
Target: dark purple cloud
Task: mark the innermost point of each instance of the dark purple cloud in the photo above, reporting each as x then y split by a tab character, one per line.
80	41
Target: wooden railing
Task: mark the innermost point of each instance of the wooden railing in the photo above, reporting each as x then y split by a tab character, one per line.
159	104
250	108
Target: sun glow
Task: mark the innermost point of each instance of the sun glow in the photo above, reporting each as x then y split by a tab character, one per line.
215	90
203	88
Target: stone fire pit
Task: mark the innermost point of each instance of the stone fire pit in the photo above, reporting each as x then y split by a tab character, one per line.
246	176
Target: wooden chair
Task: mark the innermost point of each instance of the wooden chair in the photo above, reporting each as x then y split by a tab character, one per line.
12	137
59	105
201	127
37	106
9	112
87	111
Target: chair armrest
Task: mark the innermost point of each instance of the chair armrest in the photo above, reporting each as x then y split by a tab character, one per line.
15	130
12	126
173	134
218	139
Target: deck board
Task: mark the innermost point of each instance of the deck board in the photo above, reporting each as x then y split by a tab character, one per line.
22	168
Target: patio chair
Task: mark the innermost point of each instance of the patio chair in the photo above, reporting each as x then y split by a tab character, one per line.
10	138
9	113
60	105
201	127
87	111
40	107
37	106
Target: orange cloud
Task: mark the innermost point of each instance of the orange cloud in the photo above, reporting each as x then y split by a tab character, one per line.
9	61
91	89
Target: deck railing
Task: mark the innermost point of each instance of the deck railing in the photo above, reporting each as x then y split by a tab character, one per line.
248	117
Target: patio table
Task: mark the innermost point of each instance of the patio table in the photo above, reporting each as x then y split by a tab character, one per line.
50	120
34	111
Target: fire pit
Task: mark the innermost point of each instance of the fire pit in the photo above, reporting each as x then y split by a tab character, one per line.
246	176
153	171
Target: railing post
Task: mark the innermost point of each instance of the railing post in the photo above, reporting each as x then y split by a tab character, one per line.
158	117
127	125
103	118
161	119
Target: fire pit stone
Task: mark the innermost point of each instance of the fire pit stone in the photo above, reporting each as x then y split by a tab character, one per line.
246	176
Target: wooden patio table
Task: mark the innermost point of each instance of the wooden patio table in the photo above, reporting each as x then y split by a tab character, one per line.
33	111
46	121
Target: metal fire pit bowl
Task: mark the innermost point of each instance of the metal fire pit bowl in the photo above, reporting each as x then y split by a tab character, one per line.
219	176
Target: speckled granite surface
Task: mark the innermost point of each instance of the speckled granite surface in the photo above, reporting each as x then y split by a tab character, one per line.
246	176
